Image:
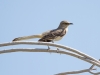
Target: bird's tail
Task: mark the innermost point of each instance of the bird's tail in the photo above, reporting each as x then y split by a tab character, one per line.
27	37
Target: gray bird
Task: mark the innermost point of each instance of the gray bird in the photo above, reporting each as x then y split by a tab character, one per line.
51	35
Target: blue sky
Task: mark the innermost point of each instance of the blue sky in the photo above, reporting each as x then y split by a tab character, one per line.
27	17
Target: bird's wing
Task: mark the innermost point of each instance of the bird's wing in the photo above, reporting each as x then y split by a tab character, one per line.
53	34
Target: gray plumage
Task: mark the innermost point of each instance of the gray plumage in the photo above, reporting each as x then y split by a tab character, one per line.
53	35
49	36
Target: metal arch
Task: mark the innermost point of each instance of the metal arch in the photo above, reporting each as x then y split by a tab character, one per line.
73	52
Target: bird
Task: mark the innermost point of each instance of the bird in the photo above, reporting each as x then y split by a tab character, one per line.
49	36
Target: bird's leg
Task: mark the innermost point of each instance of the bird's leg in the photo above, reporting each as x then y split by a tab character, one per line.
48	48
52	41
57	47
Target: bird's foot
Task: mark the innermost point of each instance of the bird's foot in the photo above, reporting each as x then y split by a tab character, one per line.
57	50
52	41
48	49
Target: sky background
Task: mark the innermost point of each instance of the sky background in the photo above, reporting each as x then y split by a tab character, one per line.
28	17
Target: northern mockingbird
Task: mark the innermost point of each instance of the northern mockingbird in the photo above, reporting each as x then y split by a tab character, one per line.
49	36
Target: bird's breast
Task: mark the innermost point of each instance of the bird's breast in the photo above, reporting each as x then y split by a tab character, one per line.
67	29
58	38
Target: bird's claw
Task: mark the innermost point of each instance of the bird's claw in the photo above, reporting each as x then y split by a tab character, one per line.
57	50
48	48
52	41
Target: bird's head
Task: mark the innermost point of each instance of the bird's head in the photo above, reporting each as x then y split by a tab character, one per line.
64	24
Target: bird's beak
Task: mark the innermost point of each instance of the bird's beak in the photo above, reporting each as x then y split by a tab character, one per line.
70	23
